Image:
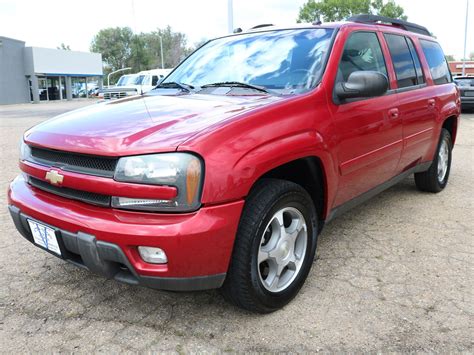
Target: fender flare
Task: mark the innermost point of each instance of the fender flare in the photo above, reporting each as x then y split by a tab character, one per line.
272	154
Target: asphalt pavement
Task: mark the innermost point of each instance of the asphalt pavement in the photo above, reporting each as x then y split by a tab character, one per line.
394	274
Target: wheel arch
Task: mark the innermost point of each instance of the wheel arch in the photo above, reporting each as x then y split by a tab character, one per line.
309	173
451	125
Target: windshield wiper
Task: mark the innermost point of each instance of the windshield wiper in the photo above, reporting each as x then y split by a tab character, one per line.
236	84
175	85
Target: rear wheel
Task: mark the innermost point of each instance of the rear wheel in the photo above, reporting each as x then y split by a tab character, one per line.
274	247
436	177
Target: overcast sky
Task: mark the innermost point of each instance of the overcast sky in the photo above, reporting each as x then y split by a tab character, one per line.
46	23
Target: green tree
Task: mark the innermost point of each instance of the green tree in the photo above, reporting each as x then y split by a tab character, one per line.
336	10
388	9
115	45
174	47
450	58
121	48
140	58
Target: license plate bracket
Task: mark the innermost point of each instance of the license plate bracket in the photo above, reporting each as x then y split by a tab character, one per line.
44	236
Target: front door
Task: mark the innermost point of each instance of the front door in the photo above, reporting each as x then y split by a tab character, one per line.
369	131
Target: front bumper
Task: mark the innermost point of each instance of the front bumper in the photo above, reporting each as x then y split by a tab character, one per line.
105	241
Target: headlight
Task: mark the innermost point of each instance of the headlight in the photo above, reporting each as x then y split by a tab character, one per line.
25	150
182	170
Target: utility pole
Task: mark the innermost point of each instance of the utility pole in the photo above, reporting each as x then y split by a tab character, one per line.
465	40
161	52
230	16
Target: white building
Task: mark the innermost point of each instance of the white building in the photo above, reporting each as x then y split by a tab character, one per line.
33	74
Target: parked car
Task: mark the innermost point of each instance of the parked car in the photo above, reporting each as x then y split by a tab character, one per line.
120	89
149	79
225	175
94	91
134	84
466	87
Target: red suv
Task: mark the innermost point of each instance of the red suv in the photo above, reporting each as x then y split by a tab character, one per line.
224	175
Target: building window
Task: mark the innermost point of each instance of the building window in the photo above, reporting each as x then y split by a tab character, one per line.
78	87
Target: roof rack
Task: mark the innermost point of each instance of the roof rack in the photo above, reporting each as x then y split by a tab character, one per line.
408	26
262	25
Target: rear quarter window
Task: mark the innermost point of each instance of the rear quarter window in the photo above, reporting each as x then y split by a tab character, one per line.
436	61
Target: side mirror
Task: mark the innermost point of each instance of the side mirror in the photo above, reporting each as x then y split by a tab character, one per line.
362	84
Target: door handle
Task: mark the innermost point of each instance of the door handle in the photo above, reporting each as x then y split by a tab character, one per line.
431	103
393	113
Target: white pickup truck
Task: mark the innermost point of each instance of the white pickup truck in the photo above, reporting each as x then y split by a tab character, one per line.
134	84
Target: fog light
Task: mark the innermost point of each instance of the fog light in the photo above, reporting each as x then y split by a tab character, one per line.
153	255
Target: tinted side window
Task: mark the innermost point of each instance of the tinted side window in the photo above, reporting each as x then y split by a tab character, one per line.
436	61
402	60
416	59
154	81
362	51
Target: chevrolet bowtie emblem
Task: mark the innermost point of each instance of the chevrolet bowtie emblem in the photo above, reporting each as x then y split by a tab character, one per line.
54	177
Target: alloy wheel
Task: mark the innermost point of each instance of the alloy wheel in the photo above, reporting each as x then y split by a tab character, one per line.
282	249
443	160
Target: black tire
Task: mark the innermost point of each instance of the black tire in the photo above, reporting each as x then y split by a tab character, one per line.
429	180
243	286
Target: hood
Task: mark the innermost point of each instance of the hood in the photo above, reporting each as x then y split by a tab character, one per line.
140	124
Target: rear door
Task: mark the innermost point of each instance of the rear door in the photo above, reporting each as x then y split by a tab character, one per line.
369	131
416	102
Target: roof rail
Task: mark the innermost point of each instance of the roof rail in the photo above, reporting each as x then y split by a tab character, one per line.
262	25
408	26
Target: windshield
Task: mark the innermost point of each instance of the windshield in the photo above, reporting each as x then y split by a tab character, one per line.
286	61
126	80
140	80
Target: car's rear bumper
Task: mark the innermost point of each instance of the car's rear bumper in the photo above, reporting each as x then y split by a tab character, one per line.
198	245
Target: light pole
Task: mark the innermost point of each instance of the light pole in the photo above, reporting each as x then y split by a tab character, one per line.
465	40
230	16
117	71
161	52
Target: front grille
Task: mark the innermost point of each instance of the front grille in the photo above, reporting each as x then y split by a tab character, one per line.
114	95
79	195
82	163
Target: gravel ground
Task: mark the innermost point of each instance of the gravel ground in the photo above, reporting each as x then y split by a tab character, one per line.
395	274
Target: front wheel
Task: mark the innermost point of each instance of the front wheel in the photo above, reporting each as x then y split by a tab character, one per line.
274	247
436	177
